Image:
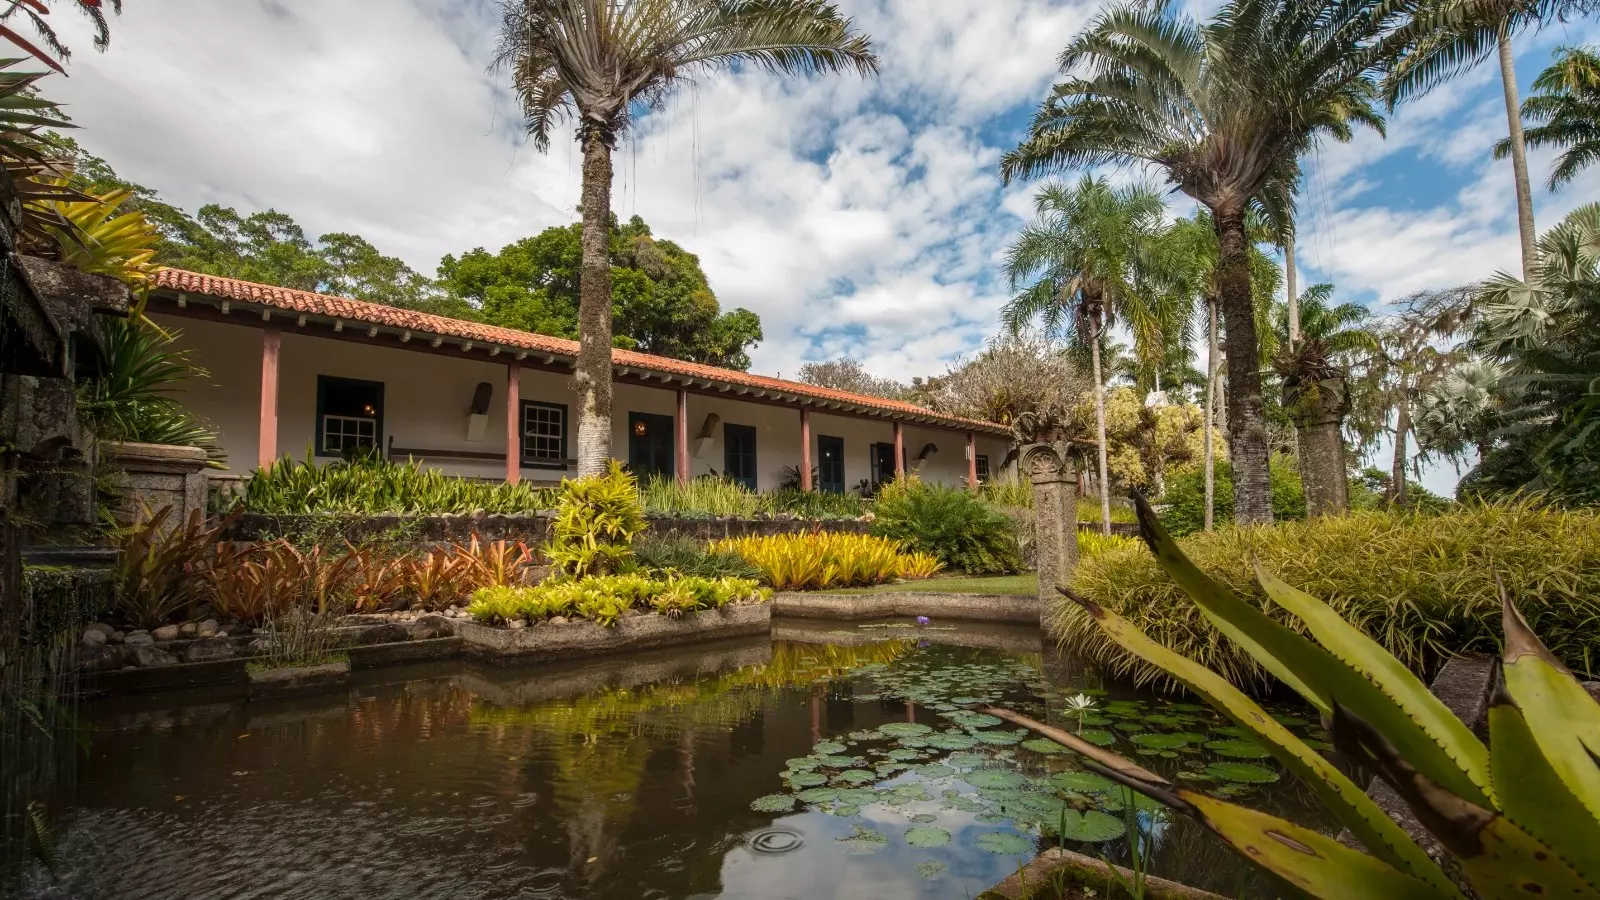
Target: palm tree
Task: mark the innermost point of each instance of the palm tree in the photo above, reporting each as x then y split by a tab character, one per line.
1316	391
1566	101
1224	110
1447	37
1463	411
1082	260
596	63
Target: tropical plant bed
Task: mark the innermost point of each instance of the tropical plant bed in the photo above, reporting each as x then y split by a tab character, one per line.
558	639
1060	874
851	607
1024	585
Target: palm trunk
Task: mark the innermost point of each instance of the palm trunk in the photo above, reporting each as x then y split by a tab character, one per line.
1519	156
1289	284
1100	432
1211	414
591	379
1318	415
1247	420
1397	477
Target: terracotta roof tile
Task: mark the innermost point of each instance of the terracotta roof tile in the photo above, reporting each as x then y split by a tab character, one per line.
425	323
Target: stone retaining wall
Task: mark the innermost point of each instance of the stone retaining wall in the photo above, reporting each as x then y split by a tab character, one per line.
546	643
533	529
851	607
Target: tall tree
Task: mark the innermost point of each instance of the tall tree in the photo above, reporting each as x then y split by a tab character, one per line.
593	62
661	302
1566	104
1224	110
846	373
1447	37
1316	390
1081	266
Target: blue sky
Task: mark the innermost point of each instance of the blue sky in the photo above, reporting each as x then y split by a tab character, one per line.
860	216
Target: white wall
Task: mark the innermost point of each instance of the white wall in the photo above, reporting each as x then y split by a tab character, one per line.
427	397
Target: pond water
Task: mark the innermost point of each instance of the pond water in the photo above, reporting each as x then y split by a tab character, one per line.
831	761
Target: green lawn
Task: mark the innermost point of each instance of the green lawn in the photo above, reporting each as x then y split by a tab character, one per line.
1026	584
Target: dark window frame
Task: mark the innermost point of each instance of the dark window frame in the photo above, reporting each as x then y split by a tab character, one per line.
823	484
323	382
981	465
750	431
528	461
669	422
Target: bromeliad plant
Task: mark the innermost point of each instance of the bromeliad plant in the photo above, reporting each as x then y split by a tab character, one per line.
605	599
821	560
596	521
1520	815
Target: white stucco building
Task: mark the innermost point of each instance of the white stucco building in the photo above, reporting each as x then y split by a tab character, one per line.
293	372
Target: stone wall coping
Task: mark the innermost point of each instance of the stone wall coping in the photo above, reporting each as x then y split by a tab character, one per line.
129	450
577	640
977	607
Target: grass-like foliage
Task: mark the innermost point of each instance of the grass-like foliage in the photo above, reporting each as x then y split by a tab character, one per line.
1183	506
699	498
689	556
1093	543
814	504
822	560
961	530
604	599
1424	586
369	485
596	521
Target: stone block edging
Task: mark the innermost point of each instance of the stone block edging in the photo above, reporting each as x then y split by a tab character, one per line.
849	607
578	640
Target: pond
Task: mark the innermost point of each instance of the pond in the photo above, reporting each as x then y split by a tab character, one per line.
830	761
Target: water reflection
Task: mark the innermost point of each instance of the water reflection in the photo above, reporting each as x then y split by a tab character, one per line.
625	778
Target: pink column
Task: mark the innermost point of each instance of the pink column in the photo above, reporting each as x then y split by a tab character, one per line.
805	449
513	423
683	437
899	450
972	462
271	344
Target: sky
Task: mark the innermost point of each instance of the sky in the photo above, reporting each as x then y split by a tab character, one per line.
860	216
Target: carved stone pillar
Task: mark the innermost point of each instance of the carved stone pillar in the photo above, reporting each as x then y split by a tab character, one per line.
1055	515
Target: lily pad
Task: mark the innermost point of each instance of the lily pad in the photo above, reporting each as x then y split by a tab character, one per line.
924	818
904	729
1092	827
927	837
818	795
864	841
773	803
995	778
974	720
964	804
930	869
845	810
823	748
839	762
807	779
933	770
966	760
903	754
1042	745
992	818
1083	782
998	738
1238	749
951	741
803	762
1157	741
1004	843
1245	773
1098	738
856	776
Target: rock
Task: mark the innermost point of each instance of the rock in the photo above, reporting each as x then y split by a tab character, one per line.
139	638
429	627
211	625
1593	688
93	637
208	651
558	620
188	630
117	637
391	633
103	628
258	631
149	656
165	633
515	624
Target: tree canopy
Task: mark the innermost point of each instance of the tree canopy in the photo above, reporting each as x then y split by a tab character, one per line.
661	302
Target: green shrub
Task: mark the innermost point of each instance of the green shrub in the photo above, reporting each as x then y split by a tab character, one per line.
1183	506
689	556
369	485
1424	586
596	521
962	531
702	497
604	599
813	504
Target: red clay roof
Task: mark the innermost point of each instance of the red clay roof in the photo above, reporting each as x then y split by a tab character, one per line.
425	323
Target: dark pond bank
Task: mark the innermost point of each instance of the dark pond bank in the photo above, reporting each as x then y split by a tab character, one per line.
833	763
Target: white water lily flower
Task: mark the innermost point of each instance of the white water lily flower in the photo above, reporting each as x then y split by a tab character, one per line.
1080	703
